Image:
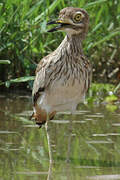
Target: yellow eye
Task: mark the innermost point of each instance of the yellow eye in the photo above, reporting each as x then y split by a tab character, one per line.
77	17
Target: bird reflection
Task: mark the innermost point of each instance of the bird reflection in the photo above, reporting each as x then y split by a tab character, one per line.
49	141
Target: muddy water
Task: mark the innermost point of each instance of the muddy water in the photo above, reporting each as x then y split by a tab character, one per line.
85	145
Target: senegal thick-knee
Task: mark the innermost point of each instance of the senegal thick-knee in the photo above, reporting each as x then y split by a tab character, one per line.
64	76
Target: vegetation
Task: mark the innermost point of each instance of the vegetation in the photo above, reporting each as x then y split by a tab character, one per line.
24	39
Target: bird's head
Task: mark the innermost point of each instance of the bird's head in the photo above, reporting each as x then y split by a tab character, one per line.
71	20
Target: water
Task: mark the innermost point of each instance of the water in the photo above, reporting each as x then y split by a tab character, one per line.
85	145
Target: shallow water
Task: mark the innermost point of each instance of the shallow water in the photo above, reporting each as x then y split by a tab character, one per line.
85	145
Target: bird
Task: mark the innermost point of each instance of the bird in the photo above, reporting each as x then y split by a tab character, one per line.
62	78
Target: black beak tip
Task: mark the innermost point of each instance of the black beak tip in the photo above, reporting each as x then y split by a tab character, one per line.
51	22
55	28
51	30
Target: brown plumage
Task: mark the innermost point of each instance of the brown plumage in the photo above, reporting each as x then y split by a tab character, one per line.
63	77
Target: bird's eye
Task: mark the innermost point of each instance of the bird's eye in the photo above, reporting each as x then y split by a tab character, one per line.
77	17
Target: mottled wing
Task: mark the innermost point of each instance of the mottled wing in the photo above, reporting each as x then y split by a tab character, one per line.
42	79
89	67
39	82
89	75
88	72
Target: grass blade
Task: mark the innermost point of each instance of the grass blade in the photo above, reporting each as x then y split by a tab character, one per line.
22	79
5	62
106	38
48	10
94	3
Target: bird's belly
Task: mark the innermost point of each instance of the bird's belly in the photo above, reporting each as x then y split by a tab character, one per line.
62	97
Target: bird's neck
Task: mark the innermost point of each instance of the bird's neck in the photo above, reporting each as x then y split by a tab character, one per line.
75	43
72	45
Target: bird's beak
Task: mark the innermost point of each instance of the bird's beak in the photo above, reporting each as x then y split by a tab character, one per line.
61	24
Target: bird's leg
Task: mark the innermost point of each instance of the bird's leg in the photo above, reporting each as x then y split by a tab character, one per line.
48	138
46	124
49	149
70	135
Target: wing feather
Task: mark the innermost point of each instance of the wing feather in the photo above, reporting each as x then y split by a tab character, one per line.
43	71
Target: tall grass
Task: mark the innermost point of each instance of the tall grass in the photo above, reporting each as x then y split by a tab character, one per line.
24	39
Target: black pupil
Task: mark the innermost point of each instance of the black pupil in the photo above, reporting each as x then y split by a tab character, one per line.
78	17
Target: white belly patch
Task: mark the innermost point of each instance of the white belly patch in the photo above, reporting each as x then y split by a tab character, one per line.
61	98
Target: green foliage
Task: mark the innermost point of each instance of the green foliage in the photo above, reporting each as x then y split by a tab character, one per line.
101	92
23	37
19	80
111	98
117	88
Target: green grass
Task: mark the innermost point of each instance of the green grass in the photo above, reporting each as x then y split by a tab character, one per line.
24	39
